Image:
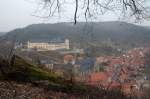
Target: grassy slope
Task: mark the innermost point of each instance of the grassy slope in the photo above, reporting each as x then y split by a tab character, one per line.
25	71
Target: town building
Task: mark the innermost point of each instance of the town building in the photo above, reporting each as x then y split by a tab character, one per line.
41	45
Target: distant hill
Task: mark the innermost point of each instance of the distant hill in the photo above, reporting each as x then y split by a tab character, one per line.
147	27
2	33
112	33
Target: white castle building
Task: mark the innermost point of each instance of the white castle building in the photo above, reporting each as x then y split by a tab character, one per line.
48	45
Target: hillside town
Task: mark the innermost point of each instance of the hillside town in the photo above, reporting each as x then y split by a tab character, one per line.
125	72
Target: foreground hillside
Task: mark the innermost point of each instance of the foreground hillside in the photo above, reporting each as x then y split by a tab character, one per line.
15	90
22	70
23	80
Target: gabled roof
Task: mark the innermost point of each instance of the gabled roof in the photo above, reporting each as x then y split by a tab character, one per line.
100	76
116	61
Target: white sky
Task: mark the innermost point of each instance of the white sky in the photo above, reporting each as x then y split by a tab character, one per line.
19	13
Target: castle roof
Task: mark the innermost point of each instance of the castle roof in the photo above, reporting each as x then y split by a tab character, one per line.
47	40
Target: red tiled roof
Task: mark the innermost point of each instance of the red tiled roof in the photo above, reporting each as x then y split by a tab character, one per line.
116	61
68	57
101	76
137	62
102	59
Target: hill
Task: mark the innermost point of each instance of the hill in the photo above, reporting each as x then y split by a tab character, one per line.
112	33
2	33
147	27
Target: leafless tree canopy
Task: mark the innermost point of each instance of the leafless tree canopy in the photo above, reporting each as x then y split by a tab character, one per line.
138	9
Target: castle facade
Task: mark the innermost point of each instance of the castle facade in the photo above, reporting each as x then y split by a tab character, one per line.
48	45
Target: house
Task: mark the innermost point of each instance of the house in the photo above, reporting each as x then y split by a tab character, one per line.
58	69
86	64
101	64
69	58
48	64
99	77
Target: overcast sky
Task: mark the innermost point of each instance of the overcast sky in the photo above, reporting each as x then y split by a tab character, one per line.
19	13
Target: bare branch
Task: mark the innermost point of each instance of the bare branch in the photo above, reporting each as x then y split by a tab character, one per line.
75	14
133	8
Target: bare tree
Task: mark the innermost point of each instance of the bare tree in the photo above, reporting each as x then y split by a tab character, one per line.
138	9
